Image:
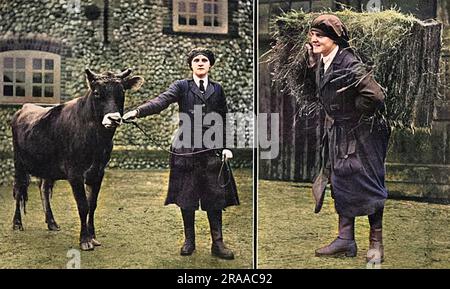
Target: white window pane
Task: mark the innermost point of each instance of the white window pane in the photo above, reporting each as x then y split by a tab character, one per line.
28	76
206	16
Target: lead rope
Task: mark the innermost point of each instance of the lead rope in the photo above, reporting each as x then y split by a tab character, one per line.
227	165
160	147
224	162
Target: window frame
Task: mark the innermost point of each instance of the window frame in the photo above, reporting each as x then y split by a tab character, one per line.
200	15
29	55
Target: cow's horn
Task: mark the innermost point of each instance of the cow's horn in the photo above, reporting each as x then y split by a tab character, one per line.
91	75
124	73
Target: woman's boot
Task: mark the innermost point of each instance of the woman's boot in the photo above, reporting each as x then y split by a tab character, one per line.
344	244
375	254
189	232
218	248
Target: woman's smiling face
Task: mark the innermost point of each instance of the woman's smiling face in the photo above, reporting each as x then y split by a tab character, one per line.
320	43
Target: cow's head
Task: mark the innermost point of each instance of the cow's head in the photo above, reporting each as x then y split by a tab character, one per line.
107	93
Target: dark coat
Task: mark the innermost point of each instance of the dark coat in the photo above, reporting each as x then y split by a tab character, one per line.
199	177
356	136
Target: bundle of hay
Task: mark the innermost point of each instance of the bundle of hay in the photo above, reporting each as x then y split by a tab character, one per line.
402	50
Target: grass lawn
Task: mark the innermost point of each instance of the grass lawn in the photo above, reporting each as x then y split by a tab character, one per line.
416	235
134	226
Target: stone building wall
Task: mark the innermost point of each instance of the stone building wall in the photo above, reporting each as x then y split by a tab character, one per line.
134	34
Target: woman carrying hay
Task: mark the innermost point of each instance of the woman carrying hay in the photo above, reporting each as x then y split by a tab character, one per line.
356	137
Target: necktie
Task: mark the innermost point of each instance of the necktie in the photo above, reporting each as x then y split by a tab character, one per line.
322	69
202	88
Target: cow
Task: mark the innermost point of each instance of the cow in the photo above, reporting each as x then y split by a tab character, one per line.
71	141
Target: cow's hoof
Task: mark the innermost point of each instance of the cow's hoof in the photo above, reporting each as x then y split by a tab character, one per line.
17	226
53	226
95	242
87	246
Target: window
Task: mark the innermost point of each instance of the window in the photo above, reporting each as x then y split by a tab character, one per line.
200	16
29	76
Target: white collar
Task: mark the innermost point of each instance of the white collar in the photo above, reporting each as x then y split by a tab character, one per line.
327	60
197	80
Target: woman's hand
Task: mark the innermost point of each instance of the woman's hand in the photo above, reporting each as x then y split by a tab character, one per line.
226	154
130	115
311	57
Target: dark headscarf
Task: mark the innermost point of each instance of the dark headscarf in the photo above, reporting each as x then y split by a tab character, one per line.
200	51
332	27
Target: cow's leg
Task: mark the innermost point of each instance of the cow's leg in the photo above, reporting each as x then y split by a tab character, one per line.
93	191
83	208
46	188
20	193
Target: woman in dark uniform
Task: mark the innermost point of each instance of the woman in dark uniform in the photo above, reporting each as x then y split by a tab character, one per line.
196	176
356	136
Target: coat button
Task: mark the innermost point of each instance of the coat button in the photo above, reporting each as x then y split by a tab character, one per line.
346	157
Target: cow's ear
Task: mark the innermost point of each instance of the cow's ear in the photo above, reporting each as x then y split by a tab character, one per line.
133	83
90	77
